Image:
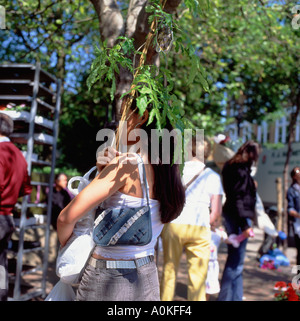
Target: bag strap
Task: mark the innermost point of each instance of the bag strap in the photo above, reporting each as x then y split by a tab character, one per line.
87	175
143	177
83	181
194	178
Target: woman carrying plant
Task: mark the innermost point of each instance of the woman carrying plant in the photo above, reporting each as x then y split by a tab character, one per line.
127	272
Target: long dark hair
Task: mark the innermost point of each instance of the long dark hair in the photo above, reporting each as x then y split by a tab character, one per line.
168	188
247	153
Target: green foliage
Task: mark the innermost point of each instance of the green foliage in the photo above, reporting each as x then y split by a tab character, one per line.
274	146
48	31
198	6
157	13
107	63
151	91
251	54
68	171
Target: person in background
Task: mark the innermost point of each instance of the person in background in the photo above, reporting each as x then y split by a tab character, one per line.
293	198
60	197
238	211
14	183
191	230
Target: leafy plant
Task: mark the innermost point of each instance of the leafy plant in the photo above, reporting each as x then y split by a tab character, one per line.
107	63
151	85
154	86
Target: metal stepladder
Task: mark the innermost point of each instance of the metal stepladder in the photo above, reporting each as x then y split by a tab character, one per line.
29	85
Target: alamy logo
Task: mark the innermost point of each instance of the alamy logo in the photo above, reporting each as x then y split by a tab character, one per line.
296	18
2	17
160	143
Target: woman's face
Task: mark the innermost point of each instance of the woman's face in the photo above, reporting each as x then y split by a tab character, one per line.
62	181
296	177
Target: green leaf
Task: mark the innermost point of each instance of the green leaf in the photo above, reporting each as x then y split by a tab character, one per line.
193	70
141	102
151	116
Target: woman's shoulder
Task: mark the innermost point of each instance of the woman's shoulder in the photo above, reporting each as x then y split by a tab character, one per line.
236	170
292	189
120	166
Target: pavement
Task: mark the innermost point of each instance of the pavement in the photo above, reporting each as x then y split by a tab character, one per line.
258	283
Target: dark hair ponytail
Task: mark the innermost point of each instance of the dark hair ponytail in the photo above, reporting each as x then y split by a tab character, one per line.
169	191
168	188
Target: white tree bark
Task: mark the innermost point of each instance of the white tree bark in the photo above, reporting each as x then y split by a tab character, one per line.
134	10
111	22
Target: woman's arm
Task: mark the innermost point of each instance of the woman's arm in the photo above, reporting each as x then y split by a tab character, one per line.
294	213
110	180
216	209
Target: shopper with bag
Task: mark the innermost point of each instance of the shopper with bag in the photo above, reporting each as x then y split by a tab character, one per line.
238	212
126	272
191	230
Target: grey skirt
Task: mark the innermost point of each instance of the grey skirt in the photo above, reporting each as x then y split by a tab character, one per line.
102	284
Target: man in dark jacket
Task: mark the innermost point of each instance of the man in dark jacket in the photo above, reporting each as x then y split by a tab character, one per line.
14	183
293	198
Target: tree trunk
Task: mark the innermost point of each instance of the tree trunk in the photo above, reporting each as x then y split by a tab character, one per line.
111	22
291	139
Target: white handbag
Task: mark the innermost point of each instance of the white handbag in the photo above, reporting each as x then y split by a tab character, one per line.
263	220
73	256
61	292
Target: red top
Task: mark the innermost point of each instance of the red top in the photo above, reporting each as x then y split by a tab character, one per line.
14	179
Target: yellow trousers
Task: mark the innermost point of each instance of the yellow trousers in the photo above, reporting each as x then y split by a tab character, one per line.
196	241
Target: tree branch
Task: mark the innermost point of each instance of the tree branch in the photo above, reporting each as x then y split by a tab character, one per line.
110	20
142	25
135	7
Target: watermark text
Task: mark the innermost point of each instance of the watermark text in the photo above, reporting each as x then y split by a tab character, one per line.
166	147
2	17
296	18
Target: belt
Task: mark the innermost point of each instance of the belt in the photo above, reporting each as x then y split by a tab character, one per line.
97	263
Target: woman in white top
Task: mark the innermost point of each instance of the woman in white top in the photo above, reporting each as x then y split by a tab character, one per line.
118	184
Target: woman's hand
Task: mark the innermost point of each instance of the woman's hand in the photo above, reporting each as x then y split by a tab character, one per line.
105	156
216	210
248	233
